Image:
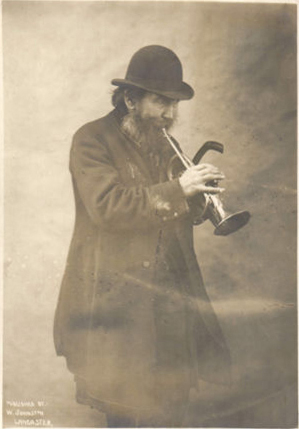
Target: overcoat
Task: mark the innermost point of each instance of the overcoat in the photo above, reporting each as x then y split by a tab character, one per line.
133	317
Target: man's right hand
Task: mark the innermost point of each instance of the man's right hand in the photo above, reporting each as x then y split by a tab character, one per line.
195	179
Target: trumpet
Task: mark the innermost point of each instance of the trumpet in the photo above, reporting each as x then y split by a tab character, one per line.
224	222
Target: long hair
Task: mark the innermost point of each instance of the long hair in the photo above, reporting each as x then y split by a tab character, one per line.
118	96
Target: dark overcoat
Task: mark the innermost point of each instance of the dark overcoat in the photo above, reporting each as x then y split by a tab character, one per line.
133	318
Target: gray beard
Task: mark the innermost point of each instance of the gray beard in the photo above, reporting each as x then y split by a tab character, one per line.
144	132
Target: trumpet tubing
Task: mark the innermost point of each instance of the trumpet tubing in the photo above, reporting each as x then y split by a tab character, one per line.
224	223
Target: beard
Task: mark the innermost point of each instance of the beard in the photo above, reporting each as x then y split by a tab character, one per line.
146	132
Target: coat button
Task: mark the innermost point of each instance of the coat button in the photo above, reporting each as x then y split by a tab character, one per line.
146	264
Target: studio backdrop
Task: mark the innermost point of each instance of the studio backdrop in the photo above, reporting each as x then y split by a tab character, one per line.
58	61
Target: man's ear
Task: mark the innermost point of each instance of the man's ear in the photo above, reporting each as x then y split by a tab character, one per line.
128	101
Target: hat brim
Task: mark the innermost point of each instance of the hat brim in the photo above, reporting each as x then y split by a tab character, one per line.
185	92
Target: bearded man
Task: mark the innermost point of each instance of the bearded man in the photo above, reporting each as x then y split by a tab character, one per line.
133	318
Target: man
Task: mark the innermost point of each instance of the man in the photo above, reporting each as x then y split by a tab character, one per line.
133	318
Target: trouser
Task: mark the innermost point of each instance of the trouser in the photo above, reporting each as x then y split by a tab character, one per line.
173	418
114	421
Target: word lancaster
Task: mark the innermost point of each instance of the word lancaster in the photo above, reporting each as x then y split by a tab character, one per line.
32	422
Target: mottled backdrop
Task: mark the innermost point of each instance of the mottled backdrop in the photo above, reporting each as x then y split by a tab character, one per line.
59	58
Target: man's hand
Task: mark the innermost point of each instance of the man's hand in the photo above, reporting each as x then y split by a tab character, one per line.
194	180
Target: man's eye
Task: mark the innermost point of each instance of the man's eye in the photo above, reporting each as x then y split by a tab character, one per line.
164	102
161	102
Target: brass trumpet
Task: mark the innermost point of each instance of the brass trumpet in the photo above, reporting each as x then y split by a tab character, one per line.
213	210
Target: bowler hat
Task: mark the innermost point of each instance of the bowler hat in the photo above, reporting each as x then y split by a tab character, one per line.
157	69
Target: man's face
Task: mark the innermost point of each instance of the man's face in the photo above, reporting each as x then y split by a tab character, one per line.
157	111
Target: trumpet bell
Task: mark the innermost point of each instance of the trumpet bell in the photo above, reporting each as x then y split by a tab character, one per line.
224	222
232	223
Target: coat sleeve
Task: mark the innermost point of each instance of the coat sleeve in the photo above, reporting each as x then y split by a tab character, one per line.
113	205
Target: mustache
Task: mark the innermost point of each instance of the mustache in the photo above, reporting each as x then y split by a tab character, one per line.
168	123
141	129
148	124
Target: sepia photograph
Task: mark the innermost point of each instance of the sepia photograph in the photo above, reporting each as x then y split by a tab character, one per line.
150	214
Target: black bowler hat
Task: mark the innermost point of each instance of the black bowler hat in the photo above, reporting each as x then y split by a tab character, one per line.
159	70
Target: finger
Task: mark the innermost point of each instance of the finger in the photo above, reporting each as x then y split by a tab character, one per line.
205	165
209	177
208	169
202	167
212	190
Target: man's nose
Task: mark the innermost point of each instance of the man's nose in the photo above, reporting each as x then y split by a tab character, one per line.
169	112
